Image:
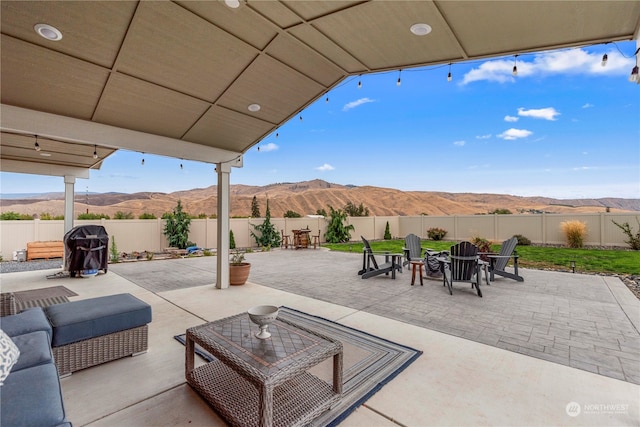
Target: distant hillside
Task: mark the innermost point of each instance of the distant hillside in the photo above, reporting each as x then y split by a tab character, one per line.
307	197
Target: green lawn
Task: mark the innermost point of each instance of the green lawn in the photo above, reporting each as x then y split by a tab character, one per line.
587	260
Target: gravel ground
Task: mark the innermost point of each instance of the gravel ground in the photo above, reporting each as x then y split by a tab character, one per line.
632	281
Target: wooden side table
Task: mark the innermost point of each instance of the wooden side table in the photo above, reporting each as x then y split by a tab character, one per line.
419	265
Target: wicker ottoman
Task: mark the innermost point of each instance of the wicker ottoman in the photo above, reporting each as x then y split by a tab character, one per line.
97	330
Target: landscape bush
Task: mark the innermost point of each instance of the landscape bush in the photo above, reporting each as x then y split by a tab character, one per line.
46	216
292	214
13	216
89	215
147	215
123	215
634	240
387	233
269	237
176	227
436	233
575	233
337	231
522	241
483	245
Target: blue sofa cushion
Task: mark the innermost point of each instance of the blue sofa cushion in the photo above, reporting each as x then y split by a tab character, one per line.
32	397
80	320
30	320
34	350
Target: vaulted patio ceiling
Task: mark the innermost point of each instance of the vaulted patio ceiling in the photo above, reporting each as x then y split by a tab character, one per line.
176	78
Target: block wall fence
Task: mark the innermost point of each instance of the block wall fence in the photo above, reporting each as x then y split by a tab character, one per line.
141	235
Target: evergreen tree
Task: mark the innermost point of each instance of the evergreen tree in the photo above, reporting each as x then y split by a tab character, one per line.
387	232
255	209
177	227
269	237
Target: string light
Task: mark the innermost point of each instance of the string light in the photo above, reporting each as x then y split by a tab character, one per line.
605	58
360	81
300	116
449	75
327	98
181	167
398	83
37	146
95	152
515	66
142	161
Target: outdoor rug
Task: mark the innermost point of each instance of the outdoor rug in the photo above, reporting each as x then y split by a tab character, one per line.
369	362
42	297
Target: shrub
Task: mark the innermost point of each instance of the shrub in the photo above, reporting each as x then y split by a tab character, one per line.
634	241
575	232
269	237
12	216
353	210
147	215
483	246
176	227
387	233
337	231
232	240
123	215
113	251
292	214
522	241
436	233
500	211
93	216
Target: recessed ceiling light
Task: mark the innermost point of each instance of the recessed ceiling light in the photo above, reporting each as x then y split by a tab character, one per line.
48	32
234	4
45	154
254	107
420	29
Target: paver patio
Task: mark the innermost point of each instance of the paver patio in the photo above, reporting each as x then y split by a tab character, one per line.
587	322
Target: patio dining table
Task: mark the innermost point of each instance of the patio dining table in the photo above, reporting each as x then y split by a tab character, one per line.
301	238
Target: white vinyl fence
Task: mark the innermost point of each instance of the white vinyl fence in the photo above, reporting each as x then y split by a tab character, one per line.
147	234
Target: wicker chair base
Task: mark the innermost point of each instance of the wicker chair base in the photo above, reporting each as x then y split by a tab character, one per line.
94	351
295	403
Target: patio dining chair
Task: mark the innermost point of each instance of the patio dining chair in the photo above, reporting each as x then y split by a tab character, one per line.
285	239
463	265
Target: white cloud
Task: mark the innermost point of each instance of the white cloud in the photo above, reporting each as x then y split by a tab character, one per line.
487	136
357	103
510	119
515	134
268	147
459	143
587	105
325	167
548	113
569	61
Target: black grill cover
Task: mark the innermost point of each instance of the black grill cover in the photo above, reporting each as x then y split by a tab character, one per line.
86	247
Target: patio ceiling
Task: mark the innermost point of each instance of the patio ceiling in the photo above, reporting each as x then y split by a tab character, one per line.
176	78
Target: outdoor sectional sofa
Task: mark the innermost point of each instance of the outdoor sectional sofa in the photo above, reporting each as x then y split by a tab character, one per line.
59	339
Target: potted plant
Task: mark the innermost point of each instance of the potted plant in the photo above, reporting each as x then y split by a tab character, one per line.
238	269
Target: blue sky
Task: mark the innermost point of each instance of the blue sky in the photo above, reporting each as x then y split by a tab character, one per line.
564	127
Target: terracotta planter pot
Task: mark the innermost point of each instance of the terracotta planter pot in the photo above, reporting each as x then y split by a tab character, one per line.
239	273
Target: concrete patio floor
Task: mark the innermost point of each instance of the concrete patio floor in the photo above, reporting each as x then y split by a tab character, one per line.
486	361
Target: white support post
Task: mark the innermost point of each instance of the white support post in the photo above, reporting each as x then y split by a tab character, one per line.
222	258
69	182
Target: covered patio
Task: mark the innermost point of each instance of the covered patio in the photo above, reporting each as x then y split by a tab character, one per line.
483	363
209	80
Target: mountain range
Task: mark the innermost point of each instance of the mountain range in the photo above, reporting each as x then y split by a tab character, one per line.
308	197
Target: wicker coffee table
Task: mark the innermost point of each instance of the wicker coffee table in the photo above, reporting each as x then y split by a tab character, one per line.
257	382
